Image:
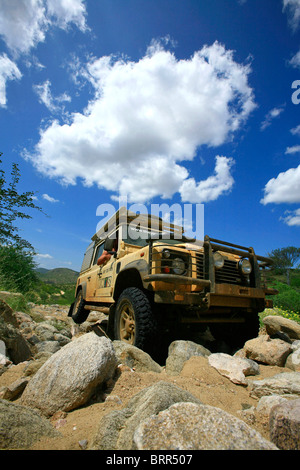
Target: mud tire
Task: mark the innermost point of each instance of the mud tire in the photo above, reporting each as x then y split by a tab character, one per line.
79	313
134	320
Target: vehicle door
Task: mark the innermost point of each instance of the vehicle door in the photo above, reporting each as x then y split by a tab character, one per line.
94	273
106	275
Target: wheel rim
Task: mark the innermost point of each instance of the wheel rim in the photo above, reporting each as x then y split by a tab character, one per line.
127	324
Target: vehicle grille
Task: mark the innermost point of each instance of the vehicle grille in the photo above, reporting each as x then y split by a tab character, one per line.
200	265
229	274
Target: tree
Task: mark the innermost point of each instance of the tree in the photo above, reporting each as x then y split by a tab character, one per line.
285	258
11	205
16	254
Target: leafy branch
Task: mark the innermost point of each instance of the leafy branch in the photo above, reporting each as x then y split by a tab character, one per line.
11	205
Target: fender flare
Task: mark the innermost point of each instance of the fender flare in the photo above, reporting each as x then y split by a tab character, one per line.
139	268
82	286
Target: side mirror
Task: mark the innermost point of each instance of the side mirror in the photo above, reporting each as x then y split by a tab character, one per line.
109	244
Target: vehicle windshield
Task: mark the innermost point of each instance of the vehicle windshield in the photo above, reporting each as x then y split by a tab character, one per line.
139	236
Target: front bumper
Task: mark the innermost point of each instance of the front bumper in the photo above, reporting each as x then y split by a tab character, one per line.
224	295
176	280
206	287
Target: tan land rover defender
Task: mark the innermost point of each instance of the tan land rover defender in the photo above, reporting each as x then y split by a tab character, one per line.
157	279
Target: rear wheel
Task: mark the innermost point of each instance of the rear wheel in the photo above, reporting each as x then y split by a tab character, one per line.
134	320
79	313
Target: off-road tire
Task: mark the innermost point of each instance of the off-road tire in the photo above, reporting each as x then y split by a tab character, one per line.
134	303
79	313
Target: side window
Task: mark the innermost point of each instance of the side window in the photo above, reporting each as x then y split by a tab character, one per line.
115	236
87	258
100	247
99	251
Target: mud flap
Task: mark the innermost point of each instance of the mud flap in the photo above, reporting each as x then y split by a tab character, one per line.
71	309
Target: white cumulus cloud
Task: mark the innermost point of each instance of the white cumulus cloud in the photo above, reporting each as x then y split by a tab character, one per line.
24	23
44	256
68	11
214	186
292	7
295	60
285	188
292	218
292	150
273	114
146	118
295	148
8	71
296	130
49	198
43	91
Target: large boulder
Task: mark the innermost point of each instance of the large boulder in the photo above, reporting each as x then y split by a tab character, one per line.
116	429
269	351
278	324
234	368
285	425
293	360
135	358
286	383
70	376
7	314
14	390
267	402
181	351
190	426
20	427
18	349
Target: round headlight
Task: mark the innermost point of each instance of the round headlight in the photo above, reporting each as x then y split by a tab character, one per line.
166	254
245	266
218	260
178	266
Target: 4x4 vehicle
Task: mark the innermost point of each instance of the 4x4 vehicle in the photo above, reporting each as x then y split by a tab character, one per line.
156	279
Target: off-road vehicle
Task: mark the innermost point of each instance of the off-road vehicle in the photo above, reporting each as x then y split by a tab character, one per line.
158	280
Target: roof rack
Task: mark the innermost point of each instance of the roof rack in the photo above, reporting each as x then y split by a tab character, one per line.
124	216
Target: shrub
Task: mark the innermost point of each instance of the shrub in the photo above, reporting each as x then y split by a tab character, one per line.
288	298
17	269
279	311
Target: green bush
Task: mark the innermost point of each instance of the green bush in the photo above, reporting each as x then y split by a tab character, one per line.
17	269
295	279
279	311
287	299
17	302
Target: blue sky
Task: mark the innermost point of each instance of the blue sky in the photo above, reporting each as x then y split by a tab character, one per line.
161	101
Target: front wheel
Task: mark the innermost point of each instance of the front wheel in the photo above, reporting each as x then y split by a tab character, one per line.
79	313
134	320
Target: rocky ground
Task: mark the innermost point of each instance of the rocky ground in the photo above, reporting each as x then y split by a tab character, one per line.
196	375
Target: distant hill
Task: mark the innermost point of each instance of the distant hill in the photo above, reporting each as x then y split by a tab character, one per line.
58	275
42	270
